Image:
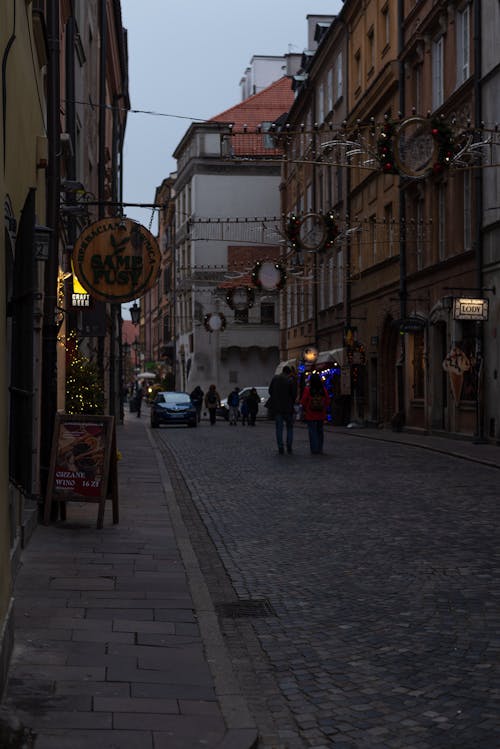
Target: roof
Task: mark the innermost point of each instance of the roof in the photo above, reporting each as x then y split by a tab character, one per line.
265	106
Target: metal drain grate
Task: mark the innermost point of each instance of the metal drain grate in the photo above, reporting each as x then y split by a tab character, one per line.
245	608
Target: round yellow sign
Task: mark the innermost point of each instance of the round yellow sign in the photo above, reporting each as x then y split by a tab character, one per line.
116	260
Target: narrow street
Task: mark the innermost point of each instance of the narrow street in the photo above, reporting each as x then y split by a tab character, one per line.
357	591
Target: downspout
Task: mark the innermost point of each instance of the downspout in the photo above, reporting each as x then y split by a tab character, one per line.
4	81
101	174
478	180
400	366
49	329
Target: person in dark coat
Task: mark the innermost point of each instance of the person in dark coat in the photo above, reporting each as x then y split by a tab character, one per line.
197	398
252	402
315	401
283	393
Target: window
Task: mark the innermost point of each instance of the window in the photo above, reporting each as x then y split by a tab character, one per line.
241	315
320	111
420	234
467	210
441	222
463	45
267	313
389	224
373	237
357	68
329	85
269	141
371	51
340	79
386	25
437	73
340	276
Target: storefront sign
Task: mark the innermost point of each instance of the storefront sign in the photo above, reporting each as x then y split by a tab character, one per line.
83	463
116	260
470	309
411	324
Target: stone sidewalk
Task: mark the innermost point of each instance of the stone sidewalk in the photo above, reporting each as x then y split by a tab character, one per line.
117	644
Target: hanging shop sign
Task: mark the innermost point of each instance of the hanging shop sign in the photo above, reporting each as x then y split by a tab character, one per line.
410	324
470	309
116	260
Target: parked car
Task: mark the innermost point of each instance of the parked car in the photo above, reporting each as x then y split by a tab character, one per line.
263	393
173	408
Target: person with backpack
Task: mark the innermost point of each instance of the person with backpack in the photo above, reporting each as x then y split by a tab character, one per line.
282	396
233	404
315	401
212	403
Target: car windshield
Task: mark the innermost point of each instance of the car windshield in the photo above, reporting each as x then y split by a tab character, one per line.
174	398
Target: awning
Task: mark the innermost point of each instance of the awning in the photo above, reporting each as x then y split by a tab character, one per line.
334	356
290	363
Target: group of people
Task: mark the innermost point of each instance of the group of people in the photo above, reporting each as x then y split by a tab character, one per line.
247	408
284	398
284	401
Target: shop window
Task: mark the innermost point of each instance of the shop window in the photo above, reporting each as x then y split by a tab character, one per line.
267	313
241	315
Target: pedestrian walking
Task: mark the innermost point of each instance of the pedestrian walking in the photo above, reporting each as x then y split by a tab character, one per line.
283	392
244	412
139	395
252	402
315	401
197	398
233	404
212	403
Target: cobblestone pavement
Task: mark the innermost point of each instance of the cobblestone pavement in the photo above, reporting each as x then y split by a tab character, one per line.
381	564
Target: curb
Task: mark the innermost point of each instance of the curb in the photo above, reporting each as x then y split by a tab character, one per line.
241	728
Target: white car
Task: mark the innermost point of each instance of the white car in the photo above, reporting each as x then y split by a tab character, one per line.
263	393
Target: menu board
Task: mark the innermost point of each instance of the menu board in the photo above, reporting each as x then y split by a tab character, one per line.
83	463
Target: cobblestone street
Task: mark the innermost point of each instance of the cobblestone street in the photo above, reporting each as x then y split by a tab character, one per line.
379	567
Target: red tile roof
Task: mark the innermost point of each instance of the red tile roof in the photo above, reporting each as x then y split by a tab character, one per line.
265	107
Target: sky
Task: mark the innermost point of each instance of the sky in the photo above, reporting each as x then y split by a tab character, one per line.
186	60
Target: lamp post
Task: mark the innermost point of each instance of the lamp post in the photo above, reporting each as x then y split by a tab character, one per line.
135	313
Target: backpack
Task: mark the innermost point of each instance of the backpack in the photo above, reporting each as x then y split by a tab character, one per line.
317	402
211	398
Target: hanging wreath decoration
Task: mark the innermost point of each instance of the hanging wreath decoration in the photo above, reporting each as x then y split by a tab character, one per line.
214	322
293	231
332	230
240	298
443	136
416	147
385	148
268	275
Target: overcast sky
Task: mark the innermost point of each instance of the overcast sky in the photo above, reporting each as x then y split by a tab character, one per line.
186	60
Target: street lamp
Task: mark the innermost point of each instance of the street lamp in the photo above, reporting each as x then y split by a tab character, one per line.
135	313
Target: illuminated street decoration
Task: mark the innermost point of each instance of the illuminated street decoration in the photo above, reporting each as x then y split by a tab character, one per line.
240	298
269	276
214	322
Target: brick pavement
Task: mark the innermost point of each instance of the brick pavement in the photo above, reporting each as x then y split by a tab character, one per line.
380	562
117	643
382	565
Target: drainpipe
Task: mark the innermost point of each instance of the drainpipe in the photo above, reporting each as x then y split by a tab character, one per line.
400	366
101	174
49	329
478	183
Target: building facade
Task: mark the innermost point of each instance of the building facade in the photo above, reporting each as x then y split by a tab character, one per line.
64	72
227	219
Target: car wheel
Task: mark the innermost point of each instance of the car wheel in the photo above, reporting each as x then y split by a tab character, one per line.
192	424
154	424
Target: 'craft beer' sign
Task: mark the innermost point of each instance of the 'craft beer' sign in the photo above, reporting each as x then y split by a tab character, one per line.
116	260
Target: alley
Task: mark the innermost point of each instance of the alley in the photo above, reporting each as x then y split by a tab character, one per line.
376	570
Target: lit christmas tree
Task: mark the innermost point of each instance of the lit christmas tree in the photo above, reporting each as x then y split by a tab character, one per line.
84	388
